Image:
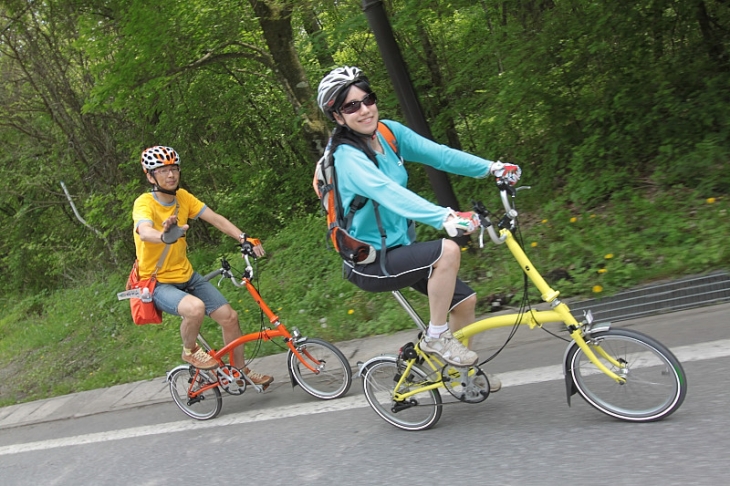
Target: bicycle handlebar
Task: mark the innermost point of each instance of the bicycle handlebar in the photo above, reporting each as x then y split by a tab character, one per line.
213	274
225	271
509	221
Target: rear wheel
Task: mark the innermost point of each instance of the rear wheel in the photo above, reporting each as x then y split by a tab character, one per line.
418	412
655	384
185	383
332	376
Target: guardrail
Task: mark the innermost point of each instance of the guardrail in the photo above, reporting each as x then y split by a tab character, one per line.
685	293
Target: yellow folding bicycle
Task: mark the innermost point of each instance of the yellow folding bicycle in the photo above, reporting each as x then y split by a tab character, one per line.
620	372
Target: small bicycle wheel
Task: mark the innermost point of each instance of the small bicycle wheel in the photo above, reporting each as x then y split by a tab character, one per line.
418	412
183	382
333	375
655	383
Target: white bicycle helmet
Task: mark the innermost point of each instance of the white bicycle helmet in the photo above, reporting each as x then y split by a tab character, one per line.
333	84
157	156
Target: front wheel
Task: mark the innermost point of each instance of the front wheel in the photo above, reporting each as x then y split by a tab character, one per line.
655	383
332	375
185	385
417	412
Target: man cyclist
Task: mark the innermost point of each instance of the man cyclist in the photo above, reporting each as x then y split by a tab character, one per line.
367	166
160	221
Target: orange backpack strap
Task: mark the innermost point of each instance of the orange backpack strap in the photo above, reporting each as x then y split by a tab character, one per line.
387	134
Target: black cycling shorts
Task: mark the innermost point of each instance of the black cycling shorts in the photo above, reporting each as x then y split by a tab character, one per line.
408	266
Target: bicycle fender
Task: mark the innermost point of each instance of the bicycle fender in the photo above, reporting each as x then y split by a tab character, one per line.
288	369
572	348
169	373
362	367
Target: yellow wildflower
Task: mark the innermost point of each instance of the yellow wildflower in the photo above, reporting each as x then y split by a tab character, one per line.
351	311
597	289
533	244
710	200
573	219
608	256
602	270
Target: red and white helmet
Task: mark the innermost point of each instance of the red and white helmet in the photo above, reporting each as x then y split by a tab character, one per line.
157	156
333	84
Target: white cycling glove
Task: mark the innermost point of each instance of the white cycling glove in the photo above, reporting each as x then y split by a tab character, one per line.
466	222
509	172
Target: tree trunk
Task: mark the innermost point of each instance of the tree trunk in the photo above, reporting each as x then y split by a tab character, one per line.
275	20
437	81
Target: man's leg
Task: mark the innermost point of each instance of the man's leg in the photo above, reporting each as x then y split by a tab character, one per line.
231	328
227	318
192	311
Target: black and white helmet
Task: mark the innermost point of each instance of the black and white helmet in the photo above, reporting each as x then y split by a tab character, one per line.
333	84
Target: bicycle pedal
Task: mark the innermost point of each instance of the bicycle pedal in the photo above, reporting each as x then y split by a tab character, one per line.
408	351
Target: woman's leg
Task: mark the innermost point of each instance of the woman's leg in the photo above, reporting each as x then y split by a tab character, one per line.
463	314
442	281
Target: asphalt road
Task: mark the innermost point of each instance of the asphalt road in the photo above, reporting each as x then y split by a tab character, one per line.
524	435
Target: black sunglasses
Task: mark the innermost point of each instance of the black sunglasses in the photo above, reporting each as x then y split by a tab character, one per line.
354	106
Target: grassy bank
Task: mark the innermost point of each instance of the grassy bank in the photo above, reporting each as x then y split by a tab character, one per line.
82	338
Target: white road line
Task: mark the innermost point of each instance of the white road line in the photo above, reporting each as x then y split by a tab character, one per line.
696	352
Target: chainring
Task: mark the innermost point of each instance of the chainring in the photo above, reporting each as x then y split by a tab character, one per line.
231	380
466	384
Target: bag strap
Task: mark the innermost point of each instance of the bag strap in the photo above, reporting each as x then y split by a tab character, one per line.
167	246
359	201
389	137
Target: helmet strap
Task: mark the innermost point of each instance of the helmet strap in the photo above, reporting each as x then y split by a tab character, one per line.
156	187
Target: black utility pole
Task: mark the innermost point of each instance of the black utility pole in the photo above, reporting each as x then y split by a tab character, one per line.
390	52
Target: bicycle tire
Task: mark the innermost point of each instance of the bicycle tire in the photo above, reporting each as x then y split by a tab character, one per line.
378	382
334	375
205	407
655	386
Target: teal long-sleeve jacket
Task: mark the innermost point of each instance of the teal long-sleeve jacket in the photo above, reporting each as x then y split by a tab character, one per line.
386	184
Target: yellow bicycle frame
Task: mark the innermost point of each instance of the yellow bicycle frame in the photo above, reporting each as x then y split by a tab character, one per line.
532	318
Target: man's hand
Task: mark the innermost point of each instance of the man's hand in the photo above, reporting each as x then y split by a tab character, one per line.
171	232
255	243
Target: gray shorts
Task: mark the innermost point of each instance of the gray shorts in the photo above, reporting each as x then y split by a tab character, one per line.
167	296
408	266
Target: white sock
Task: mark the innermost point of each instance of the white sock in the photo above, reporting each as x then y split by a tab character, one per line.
436	331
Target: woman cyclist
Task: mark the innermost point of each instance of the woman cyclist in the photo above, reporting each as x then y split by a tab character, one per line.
367	166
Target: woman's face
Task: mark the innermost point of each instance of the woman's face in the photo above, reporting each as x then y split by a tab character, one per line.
365	119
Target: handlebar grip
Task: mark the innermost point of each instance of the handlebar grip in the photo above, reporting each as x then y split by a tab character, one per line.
247	248
213	274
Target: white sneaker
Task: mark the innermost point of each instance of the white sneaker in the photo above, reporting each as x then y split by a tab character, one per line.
495	384
449	349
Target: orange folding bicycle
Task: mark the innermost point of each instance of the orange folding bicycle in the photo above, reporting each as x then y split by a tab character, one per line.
316	365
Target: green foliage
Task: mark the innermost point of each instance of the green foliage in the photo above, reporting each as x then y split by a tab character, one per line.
613	109
634	238
634	96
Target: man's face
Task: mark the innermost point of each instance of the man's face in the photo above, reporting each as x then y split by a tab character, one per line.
167	177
